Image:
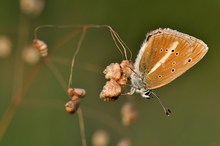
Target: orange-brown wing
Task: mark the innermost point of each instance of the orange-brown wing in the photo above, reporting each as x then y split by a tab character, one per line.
167	55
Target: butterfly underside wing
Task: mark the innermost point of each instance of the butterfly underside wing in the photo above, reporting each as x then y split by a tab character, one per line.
166	54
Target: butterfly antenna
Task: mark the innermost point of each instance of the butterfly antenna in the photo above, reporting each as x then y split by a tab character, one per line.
166	110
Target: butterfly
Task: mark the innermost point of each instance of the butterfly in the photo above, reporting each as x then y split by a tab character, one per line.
165	55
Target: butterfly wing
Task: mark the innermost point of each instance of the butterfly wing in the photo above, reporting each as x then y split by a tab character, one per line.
168	54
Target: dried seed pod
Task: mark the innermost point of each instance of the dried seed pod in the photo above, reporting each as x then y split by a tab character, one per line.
30	55
110	91
129	114
118	75
72	105
127	107
41	46
127	67
5	46
123	80
74	97
113	71
129	118
124	142
76	91
100	138
32	7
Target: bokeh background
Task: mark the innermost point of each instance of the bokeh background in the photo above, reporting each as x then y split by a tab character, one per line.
32	98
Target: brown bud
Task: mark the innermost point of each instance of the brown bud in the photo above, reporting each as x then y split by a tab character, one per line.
32	7
70	92
72	105
129	114
5	46
76	92
74	97
123	80
124	142
110	91
41	46
100	138
127	67
30	55
113	71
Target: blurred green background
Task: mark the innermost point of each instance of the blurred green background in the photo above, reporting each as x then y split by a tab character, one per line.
40	118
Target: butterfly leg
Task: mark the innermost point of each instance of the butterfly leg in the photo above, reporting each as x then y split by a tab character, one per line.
131	92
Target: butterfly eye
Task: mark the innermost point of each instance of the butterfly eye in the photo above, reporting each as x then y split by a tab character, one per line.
146	93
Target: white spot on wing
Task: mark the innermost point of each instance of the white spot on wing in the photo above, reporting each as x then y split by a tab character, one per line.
165	57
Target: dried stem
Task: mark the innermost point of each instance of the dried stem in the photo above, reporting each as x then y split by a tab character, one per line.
15	102
23	31
75	54
82	127
121	46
